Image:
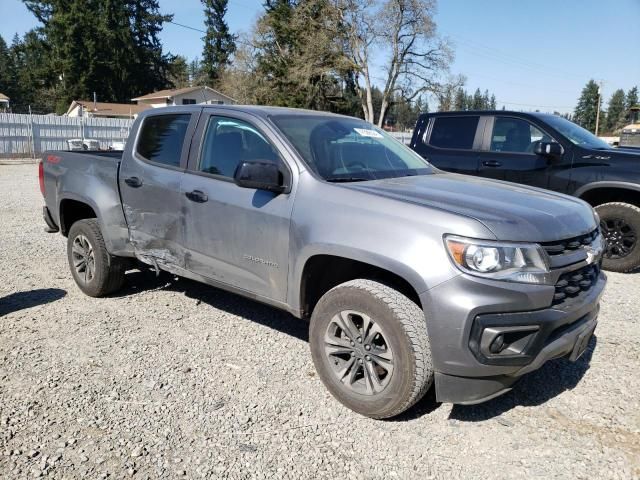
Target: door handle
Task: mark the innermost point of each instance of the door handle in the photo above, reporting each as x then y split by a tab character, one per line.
134	182
492	163
197	196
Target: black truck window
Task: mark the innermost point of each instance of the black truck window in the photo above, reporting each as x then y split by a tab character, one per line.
515	135
161	138
228	141
454	132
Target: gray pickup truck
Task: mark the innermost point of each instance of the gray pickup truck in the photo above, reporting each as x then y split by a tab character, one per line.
411	276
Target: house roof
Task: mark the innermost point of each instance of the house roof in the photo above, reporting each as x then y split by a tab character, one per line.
3	97
178	91
108	109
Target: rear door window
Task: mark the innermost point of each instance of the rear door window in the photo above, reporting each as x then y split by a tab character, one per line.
454	132
162	137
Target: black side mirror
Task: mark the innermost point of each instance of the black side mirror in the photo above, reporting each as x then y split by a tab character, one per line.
549	149
260	175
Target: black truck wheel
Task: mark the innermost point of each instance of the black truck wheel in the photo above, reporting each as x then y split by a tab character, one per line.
620	225
96	272
370	347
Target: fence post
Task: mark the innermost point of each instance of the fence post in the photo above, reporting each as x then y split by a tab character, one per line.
32	135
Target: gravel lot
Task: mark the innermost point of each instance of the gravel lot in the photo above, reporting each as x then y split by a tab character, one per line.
171	378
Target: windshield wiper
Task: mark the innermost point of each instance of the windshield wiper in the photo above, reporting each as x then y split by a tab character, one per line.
347	179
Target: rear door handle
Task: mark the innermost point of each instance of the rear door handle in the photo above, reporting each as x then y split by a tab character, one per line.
134	182
197	196
492	163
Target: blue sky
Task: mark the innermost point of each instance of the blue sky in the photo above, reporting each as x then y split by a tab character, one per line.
530	54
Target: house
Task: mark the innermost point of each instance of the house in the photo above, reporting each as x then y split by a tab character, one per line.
4	103
88	108
184	96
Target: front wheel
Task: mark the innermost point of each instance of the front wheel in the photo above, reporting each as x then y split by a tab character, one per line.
370	347
620	226
95	271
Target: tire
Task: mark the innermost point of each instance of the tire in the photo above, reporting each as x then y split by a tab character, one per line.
402	337
105	274
620	225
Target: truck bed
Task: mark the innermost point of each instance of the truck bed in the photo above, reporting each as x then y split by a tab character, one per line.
90	177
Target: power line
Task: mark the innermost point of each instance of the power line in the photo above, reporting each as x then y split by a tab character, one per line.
532	105
496	54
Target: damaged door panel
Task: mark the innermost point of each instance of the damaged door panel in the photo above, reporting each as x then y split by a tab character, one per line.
237	236
150	189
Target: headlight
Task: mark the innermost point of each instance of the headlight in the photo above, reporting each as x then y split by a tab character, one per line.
513	262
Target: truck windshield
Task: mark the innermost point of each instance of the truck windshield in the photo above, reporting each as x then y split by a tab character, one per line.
576	134
349	150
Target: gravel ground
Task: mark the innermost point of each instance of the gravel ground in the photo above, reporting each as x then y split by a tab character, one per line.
172	378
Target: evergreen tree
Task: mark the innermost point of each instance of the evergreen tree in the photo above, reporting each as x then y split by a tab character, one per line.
616	112
7	81
492	102
460	100
110	47
477	102
179	72
632	98
586	111
630	101
219	44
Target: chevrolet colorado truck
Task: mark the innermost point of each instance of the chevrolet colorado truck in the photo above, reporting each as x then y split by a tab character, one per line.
410	276
546	151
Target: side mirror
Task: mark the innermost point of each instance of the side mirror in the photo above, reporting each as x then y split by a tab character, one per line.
260	175
549	149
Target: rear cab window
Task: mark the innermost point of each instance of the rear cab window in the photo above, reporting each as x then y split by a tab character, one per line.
455	132
162	137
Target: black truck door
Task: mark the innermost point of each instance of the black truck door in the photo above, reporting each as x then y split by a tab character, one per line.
508	152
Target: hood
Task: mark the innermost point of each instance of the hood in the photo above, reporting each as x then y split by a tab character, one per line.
619	153
512	212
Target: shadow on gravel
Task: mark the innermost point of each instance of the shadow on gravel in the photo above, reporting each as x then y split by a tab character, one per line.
146	280
21	300
535	388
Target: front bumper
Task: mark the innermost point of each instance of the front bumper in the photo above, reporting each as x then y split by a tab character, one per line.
485	335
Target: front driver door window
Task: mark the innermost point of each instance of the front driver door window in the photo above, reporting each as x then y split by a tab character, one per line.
515	135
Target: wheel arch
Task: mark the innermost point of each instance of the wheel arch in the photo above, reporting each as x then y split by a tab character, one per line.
72	208
322	271
598	193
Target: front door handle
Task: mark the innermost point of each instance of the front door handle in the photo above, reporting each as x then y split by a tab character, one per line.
492	163
134	182
197	196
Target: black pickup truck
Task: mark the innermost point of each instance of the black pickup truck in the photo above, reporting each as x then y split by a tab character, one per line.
546	151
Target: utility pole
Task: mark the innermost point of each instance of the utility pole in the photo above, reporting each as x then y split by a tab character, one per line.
598	111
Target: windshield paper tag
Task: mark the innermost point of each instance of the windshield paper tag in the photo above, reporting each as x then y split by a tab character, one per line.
365	132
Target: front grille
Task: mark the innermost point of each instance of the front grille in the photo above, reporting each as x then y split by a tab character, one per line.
572	284
567	246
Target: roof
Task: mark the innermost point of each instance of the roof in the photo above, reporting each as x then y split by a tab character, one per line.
3	97
257	110
108	109
178	91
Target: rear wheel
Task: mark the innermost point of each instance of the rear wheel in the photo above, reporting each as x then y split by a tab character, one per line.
620	225
94	270
370	346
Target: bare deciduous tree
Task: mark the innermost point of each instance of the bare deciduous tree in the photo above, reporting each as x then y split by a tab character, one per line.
404	31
